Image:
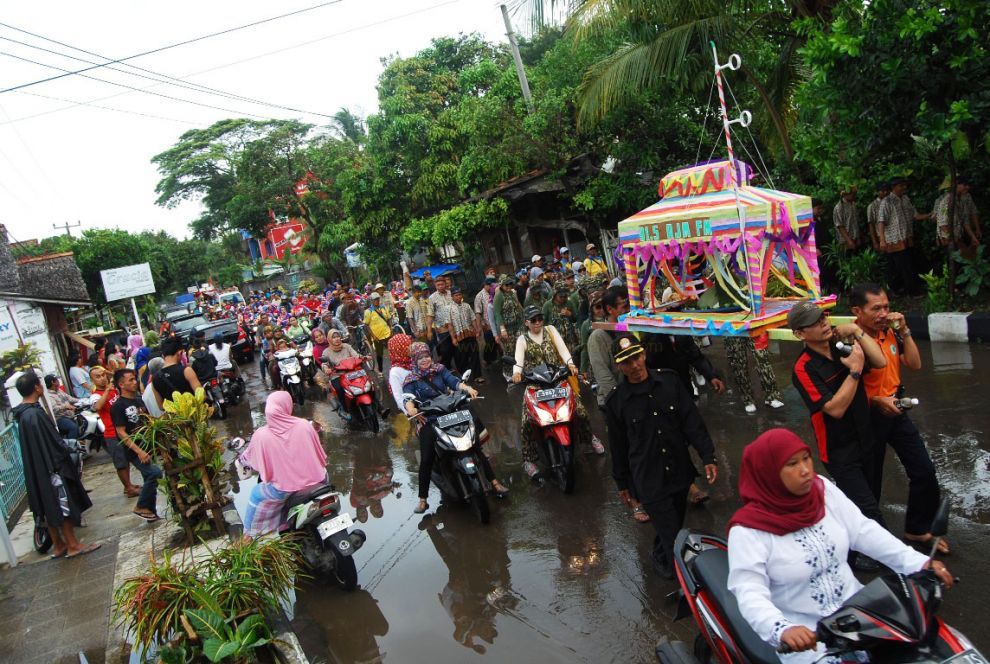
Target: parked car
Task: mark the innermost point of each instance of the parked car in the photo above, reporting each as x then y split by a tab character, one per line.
242	343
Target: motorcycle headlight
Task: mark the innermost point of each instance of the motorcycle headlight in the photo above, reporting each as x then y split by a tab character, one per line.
355	390
545	416
564	411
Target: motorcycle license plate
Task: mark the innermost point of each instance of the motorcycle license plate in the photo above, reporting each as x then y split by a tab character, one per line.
360	373
552	394
967	657
450	419
334	525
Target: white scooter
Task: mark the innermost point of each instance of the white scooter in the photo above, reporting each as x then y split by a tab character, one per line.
90	425
290	370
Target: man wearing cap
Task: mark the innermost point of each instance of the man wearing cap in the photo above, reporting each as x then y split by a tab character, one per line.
895	233
521	285
832	389
594	263
536	261
464	333
386	298
484	312
652	420
557	311
845	216
539	290
379	318
873	212
507	313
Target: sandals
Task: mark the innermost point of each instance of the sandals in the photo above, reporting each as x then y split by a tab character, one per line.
500	492
421	507
89	548
150	517
924	543
640	514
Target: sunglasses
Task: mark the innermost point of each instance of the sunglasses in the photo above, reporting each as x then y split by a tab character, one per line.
536	319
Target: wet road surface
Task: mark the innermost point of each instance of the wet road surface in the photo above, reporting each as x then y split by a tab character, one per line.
567	578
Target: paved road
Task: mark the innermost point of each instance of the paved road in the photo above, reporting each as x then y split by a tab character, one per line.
566	578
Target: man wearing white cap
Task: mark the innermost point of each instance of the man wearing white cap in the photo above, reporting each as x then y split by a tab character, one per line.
594	263
386	297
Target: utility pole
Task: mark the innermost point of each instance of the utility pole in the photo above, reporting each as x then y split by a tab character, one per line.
523	83
67	226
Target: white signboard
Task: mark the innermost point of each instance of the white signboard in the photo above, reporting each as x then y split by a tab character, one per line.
130	281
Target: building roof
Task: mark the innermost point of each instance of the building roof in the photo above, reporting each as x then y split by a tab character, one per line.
52	278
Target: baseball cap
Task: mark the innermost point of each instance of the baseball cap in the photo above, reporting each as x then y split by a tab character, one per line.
531	312
803	314
590	246
423	286
565	250
506	279
490	280
535	258
376	296
379	285
577	266
455	290
626	347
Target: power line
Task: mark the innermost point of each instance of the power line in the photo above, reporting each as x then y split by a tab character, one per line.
131	87
52	182
75	103
249	59
155	76
171	46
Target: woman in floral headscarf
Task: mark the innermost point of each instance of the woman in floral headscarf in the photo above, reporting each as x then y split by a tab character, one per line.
401	364
426	380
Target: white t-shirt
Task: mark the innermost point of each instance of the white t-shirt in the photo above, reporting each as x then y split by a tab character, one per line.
79	377
555	338
396	378
784	580
151	402
223	356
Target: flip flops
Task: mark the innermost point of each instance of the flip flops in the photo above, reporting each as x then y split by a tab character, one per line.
924	544
89	548
640	515
150	517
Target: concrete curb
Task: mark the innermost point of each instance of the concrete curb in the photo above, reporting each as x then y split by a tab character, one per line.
950	326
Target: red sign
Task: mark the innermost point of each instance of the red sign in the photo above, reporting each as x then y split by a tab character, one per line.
287	237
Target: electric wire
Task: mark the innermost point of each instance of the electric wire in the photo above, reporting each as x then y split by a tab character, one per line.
52	182
164	79
75	103
131	87
171	46
260	55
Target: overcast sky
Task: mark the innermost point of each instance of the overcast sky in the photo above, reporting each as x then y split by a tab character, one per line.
62	161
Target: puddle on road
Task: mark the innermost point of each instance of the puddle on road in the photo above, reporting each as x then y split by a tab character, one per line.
566	578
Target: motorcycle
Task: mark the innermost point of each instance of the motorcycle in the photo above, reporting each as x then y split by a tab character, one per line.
550	403
892	617
90	425
231	386
290	369
305	348
359	398
457	470
314	516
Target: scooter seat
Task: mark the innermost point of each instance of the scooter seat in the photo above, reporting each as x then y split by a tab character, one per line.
711	569
301	497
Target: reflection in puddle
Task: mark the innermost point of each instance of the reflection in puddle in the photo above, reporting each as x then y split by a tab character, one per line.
964	472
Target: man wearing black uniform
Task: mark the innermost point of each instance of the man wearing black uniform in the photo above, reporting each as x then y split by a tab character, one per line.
652	420
831	387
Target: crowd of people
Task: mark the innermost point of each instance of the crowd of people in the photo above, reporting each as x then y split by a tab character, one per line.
890	225
430	336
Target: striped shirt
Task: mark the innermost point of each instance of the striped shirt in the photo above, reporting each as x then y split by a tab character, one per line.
897	216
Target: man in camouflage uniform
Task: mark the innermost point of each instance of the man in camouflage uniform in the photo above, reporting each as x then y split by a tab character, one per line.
507	314
557	312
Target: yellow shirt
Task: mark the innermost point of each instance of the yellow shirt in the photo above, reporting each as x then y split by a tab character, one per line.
595	266
377	322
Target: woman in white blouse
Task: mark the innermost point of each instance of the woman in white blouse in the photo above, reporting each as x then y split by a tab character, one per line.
789	542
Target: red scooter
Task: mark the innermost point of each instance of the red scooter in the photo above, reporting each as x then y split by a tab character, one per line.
550	403
358	398
892	617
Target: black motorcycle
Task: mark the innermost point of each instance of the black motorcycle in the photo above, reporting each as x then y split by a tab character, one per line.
231	386
458	467
892	618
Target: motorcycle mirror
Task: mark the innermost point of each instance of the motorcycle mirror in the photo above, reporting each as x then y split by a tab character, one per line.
466	376
940	524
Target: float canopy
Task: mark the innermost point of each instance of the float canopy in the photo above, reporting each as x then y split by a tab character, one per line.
705	234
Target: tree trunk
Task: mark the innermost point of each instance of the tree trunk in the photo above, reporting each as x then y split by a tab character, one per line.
778	122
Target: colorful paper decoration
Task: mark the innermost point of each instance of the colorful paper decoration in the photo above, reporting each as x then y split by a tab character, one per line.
712	227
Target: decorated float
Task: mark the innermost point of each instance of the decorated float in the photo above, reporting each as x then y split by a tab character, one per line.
718	255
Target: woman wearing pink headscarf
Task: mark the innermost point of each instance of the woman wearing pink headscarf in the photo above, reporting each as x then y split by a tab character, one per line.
288	456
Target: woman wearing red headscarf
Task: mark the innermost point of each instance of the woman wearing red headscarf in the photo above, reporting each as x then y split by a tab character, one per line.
789	542
401	365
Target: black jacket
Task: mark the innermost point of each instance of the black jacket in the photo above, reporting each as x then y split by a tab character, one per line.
43	454
650	426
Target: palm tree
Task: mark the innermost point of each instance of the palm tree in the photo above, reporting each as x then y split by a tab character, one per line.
668	40
348	126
